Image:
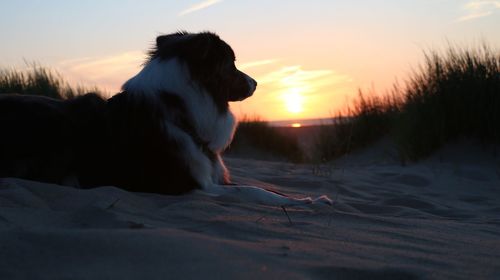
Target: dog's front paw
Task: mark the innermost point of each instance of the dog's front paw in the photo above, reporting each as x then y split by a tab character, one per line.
324	200
301	201
307	200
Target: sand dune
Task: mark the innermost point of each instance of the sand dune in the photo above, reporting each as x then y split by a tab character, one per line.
436	219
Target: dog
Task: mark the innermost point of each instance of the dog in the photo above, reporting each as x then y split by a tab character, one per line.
163	133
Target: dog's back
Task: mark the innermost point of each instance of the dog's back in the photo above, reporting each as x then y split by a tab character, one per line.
121	141
40	136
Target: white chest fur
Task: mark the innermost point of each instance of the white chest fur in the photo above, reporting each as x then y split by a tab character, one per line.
213	127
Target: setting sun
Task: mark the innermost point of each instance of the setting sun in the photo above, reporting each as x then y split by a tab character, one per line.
293	100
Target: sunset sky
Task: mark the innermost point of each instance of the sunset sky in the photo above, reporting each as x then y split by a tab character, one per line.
309	57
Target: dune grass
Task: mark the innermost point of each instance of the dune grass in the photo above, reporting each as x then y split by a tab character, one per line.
38	80
256	137
365	121
455	94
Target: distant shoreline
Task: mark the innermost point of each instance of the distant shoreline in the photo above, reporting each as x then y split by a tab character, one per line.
302	122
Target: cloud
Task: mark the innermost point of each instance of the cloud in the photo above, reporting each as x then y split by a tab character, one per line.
478	9
296	79
257	63
478	4
199	6
108	72
474	16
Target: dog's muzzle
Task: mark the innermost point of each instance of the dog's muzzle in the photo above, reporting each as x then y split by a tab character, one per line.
252	84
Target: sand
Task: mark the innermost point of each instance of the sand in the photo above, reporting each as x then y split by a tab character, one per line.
437	219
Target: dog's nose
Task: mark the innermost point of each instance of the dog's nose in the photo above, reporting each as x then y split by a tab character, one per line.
251	83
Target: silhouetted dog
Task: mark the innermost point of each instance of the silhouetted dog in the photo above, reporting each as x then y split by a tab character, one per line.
163	133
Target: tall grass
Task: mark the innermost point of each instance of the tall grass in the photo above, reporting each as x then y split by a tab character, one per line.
455	94
37	80
365	121
256	137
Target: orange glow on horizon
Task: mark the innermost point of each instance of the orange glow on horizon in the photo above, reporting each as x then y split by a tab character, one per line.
296	125
289	91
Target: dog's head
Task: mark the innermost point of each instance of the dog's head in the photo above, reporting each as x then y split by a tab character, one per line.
210	62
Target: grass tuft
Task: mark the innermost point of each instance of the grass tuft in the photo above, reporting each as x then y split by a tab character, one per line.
364	122
455	94
37	80
256	137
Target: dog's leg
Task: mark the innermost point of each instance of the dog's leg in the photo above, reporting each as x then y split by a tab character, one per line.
220	174
262	196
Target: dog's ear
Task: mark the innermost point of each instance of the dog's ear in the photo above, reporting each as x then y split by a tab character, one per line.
160	40
169	45
204	43
204	46
170	39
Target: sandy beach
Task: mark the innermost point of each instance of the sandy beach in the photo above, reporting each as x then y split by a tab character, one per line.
437	219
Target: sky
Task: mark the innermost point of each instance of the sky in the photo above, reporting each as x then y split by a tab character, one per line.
310	57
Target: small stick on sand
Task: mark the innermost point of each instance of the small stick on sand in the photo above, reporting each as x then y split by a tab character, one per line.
289	220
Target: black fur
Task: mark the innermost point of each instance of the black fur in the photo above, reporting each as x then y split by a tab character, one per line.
142	156
47	139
